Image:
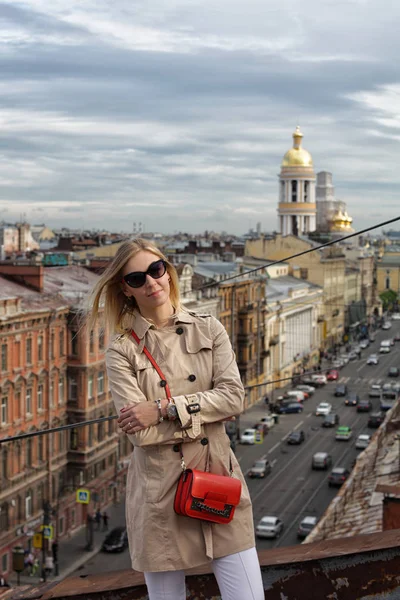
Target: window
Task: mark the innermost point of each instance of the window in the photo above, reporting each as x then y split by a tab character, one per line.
17	354
61	440
74	343
100	383
100	430
28	504
4	558
91	342
61	388
4	410
62	342
40	398
28	401
4	465
306	191
387	283
60	525
101	339
4	363
29	351
90	386
294	191
74	439
40	348
110	423
90	442
73	388
40	447
73	517
51	393
29	458
304	273
53	342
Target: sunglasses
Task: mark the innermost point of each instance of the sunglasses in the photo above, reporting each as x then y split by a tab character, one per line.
137	279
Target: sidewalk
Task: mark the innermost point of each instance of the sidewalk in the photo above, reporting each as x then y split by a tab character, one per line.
72	553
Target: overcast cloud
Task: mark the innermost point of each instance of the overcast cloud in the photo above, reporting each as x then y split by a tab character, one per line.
177	113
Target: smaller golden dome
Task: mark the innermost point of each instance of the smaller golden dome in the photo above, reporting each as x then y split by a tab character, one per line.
342	222
297	156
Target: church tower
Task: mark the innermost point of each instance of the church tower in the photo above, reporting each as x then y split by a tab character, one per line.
297	207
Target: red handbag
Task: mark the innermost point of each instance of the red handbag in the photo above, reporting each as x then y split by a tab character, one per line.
201	494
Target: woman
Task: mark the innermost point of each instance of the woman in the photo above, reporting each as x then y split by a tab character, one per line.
140	292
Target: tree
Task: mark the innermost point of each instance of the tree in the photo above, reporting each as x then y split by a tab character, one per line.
389	299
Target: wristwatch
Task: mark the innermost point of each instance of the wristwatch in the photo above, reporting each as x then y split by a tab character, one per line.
172	411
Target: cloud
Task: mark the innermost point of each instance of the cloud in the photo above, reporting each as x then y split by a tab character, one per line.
111	112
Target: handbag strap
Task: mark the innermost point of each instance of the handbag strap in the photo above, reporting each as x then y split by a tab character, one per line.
155	365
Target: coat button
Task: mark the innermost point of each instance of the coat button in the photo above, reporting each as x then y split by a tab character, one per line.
192	377
179	331
204	441
176	447
163	383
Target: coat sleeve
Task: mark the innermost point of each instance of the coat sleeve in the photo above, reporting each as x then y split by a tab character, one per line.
125	390
226	398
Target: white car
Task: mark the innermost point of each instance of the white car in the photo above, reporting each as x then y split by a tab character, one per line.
362	441
323	408
306	388
299	395
384	349
319	377
248	436
386	325
373	359
269	527
268	420
364	344
396	316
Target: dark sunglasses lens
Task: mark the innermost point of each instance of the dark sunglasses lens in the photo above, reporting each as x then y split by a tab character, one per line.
157	269
136	280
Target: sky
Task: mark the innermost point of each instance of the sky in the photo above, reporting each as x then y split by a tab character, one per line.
176	113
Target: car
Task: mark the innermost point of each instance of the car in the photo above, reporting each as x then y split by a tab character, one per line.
295	437
332	375
340	390
309	389
263	427
393	372
353	355
386	325
344	358
396	317
352	399
248	436
386	404
330	420
372	359
364	405
314	382
376	419
372	337
296	394
397	337
338	476
260	468
321	460
362	441
306	525
384	349
293	407
116	540
268	420
343	433
319	377
375	391
323	408
338	363
269	527
364	343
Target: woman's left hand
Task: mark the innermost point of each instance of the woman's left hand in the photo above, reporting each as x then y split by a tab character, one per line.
140	416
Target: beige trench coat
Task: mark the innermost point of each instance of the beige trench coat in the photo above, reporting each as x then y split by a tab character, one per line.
196	358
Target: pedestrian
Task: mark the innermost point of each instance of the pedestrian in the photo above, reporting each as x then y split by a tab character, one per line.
3	582
105	521
193	359
97	518
266	400
48	565
30	559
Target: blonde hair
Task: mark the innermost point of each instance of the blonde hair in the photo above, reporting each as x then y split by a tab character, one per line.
107	296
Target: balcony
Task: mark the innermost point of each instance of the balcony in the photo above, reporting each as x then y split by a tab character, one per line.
363	566
274	340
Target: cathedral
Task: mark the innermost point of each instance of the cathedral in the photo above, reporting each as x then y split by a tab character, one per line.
306	202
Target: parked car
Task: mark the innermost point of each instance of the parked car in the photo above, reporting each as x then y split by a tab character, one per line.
343	433
260	469
353	355
384	349
319	377
338	476
296	394
248	436
352	399
386	403
268	420
372	359
364	343
293	407
332	375
340	390
393	372
306	526
295	437
364	405
386	325
116	540
376	419
330	420
396	317
310	389
397	337
323	408
338	363
321	460
375	391
362	441
269	527
314	382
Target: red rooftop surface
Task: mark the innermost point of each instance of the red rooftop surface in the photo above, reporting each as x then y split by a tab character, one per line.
359	568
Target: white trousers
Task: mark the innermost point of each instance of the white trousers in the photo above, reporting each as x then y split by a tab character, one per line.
238	577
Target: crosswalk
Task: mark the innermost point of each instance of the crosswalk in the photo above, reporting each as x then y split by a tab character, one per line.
360	380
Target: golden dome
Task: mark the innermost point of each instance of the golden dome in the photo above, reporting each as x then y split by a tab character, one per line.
342	222
297	156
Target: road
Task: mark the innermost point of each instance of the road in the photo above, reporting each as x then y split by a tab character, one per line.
293	490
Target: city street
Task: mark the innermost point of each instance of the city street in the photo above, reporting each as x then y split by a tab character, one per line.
293	490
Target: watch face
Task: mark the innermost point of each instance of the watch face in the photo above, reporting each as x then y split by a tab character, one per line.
172	411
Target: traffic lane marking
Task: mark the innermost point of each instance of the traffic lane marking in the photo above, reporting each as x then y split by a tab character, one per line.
298	425
274	448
